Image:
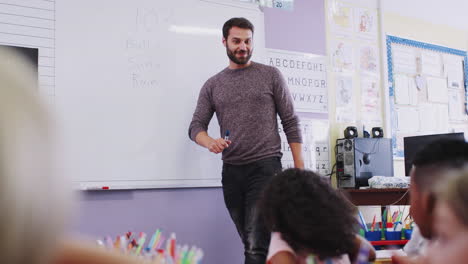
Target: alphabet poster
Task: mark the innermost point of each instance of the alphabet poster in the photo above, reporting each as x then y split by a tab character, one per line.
306	76
315	146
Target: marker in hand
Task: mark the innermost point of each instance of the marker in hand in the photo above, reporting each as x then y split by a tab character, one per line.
218	145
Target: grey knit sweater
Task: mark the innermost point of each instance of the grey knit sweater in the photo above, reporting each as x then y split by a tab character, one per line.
246	102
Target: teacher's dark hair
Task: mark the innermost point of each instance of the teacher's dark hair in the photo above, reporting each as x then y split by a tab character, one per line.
239	22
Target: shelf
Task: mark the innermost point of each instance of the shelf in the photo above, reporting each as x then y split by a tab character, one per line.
377	196
388	242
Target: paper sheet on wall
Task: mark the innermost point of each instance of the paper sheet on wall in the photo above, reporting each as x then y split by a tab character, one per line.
405	89
369	59
413	91
453	69
315	146
283	4
437	91
342	56
456	104
433	118
431	63
340	17
321	139
306	77
404	59
401	88
345	101
442	118
370	102
407	119
307	145
427	118
366	23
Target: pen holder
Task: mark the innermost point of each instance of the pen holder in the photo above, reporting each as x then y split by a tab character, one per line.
393	235
373	235
408	233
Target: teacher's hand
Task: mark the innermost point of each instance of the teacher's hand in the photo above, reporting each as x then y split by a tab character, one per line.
218	145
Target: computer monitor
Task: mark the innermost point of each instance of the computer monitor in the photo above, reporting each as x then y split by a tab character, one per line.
413	144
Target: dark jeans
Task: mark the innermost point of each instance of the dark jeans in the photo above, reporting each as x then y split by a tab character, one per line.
242	187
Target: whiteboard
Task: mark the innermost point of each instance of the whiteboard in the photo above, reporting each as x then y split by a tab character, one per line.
128	74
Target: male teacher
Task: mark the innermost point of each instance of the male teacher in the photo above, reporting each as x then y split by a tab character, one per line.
246	96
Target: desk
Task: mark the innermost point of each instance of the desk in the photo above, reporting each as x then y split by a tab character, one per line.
377	196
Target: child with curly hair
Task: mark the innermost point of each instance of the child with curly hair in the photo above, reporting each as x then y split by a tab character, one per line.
309	219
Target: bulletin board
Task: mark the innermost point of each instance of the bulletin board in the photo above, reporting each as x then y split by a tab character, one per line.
427	90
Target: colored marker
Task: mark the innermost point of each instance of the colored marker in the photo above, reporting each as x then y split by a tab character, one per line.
141	241
373	224
160	242
152	241
226	136
362	221
172	245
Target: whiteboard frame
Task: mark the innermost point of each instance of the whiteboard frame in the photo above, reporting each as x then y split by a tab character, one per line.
180	182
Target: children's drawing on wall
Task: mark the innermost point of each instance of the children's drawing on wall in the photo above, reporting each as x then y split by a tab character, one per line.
342	56
370	102
341	17
369	60
345	110
366	23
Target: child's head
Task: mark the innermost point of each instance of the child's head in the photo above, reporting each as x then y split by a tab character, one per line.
429	167
31	201
311	216
451	219
451	211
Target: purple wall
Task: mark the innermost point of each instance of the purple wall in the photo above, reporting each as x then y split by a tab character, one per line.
198	216
302	29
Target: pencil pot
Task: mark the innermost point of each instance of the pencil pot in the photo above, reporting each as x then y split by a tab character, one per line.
408	233
373	235
393	235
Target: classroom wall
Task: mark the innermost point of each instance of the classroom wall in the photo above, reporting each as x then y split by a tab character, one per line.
447	24
407	19
197	215
336	127
301	30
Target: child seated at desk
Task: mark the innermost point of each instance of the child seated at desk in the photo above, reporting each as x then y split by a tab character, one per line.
35	202
308	217
450	243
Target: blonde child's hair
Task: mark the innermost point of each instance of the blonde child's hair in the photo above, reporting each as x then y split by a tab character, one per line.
34	199
454	193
